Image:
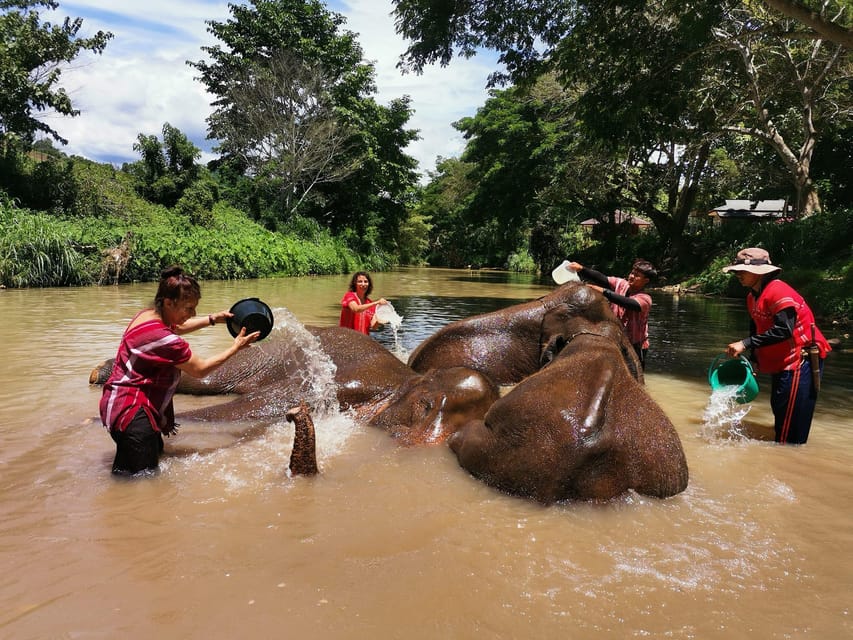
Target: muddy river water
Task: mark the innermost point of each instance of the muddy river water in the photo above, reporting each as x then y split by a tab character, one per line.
389	542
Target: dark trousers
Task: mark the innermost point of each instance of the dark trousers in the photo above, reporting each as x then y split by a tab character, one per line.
641	354
138	447
792	398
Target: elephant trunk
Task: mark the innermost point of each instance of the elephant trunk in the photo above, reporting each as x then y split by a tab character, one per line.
303	458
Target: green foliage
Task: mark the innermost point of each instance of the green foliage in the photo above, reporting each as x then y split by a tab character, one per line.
713	281
413	239
32	55
167	168
521	262
661	87
227	247
102	191
815	254
35	250
833	165
36	179
364	185
197	202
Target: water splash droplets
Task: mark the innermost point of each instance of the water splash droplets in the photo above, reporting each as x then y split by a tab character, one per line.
723	416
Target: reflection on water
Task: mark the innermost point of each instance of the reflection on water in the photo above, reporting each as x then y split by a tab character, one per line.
424	316
400	543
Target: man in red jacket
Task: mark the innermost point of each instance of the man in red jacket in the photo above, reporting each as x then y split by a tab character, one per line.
786	342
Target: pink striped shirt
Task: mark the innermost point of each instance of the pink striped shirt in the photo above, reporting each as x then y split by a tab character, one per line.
635	323
144	376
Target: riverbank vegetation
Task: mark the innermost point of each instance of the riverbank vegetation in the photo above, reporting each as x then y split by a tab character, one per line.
675	109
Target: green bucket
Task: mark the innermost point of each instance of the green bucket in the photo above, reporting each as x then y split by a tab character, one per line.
736	372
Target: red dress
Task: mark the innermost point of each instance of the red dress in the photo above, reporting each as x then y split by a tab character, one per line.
144	376
360	321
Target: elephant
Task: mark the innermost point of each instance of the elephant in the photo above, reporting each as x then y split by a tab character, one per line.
580	428
509	344
289	368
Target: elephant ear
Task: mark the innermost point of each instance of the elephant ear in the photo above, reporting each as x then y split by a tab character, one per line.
553	331
551	349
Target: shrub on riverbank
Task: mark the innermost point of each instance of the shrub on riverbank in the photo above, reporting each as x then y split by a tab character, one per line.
35	251
815	253
38	250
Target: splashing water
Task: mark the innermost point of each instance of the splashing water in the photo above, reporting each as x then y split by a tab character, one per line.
723	416
261	462
398	344
386	314
317	372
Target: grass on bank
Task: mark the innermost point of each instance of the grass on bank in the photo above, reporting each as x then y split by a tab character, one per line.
40	250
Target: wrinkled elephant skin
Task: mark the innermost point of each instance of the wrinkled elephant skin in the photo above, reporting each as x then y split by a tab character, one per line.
581	428
508	344
428	409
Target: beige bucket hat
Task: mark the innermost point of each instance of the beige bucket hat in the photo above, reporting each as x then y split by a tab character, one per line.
754	260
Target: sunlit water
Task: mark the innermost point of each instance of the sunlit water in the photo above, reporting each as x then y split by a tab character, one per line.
401	543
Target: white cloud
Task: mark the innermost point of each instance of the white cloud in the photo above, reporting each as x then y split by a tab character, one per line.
142	79
440	96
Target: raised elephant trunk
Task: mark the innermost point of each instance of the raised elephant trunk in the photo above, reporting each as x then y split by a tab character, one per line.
303	458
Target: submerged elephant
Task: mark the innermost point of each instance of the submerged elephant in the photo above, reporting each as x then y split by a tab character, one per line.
509	344
290	366
581	428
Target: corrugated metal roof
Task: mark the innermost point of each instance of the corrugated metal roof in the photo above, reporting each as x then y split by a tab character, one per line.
752	208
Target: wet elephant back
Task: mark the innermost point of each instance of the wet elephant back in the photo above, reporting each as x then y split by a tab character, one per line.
365	370
504	344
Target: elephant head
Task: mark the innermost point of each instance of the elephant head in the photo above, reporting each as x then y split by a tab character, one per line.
581	428
586	311
429	408
511	343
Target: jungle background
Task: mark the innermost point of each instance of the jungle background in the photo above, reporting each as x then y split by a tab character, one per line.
601	109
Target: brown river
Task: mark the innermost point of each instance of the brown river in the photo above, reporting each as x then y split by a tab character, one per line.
390	542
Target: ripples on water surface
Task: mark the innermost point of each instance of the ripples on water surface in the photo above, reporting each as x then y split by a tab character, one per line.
401	543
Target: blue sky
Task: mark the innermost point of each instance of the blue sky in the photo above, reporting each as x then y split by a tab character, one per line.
142	79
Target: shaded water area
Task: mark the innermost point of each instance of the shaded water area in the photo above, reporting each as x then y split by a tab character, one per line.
390	542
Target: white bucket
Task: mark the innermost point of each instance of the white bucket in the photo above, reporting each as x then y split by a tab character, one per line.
386	314
562	274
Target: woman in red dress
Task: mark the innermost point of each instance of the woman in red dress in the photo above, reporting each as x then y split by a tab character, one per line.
357	309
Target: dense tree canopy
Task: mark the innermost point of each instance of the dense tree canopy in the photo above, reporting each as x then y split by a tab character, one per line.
372	173
836	28
167	168
658	73
661	107
32	54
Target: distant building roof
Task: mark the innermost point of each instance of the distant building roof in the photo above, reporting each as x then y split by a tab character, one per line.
752	209
619	217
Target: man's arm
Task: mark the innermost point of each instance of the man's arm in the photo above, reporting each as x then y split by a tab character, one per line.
622	301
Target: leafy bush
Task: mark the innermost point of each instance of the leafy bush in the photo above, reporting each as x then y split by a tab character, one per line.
197	202
35	251
521	262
